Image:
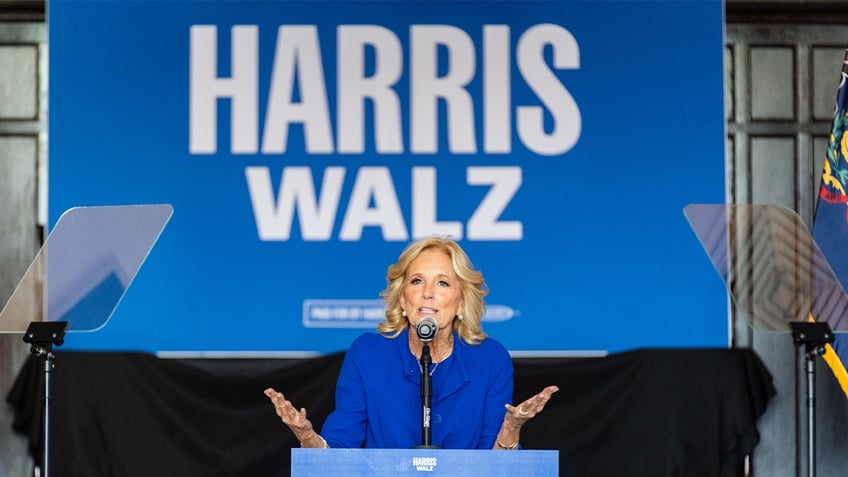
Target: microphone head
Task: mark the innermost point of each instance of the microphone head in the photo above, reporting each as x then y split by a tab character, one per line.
427	329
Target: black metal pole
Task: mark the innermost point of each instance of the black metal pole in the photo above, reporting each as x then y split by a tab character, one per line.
48	368
811	412
426	395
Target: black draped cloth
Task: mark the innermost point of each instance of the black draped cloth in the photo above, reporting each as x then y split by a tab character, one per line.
668	412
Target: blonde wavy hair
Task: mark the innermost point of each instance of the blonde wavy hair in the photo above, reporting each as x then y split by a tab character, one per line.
472	289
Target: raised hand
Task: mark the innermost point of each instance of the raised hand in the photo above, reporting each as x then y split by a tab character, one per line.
531	407
295	419
517	416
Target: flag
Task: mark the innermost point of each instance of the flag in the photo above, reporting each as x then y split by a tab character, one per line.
830	222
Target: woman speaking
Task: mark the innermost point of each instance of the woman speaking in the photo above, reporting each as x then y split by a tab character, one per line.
379	387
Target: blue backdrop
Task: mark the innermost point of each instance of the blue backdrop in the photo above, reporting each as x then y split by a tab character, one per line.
304	144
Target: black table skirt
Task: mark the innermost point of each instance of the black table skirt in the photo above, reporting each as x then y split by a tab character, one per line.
656	412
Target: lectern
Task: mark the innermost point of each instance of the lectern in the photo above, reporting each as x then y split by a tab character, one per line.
423	462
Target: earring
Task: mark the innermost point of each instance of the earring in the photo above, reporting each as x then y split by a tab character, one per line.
460	317
403	313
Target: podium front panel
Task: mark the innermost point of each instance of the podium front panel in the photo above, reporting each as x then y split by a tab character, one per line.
453	462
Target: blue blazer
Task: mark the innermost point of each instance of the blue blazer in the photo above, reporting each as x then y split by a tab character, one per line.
378	395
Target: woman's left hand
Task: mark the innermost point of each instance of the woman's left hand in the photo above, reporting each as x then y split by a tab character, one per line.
530	407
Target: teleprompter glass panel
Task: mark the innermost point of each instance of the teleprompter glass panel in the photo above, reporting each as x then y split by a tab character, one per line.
85	266
773	269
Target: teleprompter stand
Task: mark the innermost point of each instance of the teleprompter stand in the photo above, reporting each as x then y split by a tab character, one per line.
813	336
779	281
76	281
42	336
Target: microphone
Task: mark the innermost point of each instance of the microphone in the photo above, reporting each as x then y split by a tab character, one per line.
427	329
